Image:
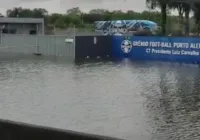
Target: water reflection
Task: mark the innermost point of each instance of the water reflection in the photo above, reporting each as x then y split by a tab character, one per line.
4	72
131	100
173	109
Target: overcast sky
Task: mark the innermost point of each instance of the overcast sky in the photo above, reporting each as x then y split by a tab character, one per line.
60	6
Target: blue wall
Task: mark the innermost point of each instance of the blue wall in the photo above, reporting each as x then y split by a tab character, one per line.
182	49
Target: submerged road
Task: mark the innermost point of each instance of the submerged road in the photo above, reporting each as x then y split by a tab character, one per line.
130	100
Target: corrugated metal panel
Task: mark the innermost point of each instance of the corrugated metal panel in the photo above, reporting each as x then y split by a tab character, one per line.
55	46
18	43
48	45
21	20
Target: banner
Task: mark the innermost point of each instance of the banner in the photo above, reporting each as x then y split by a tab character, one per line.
124	26
186	49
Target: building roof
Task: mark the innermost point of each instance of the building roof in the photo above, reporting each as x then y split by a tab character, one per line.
21	20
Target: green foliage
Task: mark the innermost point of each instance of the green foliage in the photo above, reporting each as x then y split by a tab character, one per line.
75	17
60	23
183	7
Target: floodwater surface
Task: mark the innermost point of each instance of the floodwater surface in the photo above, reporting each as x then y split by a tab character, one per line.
129	100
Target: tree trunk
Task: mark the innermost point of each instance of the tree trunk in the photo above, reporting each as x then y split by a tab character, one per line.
198	28
164	18
187	24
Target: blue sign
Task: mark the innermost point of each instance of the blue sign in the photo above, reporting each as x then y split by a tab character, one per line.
184	49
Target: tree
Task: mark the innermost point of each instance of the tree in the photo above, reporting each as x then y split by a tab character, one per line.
98	11
197	15
182	7
39	12
74	11
15	12
163	5
60	23
76	17
75	20
54	17
187	18
25	13
20	12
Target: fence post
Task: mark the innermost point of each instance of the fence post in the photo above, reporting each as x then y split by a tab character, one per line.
74	46
1	37
37	46
37	43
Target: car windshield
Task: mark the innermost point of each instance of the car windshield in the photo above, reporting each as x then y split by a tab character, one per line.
100	69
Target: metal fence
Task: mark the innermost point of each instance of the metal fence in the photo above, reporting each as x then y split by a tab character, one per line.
47	45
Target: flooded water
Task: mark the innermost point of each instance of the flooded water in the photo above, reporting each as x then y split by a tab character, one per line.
129	100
